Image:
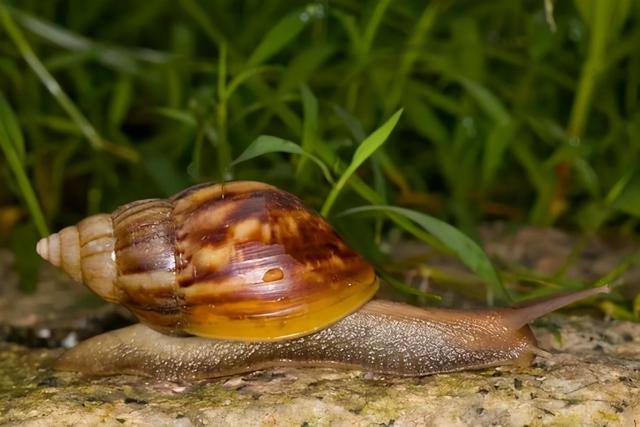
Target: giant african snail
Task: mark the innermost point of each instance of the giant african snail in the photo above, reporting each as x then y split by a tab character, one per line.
262	281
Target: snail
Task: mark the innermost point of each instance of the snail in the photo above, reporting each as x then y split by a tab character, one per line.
241	276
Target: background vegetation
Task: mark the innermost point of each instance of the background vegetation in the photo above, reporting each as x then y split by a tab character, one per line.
524	111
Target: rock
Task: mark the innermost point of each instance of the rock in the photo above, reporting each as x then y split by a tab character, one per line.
592	377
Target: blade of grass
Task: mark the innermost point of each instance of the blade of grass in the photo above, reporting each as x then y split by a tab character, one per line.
309	129
284	32
406	289
177	115
8	120
487	101
411	54
326	155
329	156
92	135
462	246
364	150
120	101
500	137
237	81
372	26
299	70
10	129
123	59
265	144
201	17
223	148
625	194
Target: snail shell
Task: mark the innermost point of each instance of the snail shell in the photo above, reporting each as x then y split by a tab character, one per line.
240	261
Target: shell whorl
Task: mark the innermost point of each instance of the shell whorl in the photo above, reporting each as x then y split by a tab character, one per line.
240	260
86	253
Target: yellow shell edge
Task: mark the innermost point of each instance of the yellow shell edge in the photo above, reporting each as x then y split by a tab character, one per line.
318	316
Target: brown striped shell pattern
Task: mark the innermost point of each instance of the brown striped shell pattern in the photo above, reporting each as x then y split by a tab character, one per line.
240	260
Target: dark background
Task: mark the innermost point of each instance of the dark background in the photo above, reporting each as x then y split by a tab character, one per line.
518	111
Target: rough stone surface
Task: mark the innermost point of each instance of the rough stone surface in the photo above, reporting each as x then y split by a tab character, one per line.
591	377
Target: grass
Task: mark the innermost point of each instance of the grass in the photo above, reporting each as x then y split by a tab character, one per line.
526	112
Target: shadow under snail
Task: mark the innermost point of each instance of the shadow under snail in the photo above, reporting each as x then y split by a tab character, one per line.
237	277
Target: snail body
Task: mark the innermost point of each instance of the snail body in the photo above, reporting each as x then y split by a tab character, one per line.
261	281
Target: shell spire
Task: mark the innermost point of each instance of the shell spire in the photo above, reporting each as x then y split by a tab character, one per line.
85	252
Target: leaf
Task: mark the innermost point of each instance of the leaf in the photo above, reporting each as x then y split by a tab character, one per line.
352	123
9	127
303	66
122	59
284	32
350	27
375	18
462	246
244	76
54	88
625	195
203	19
613	13
499	139
364	150
8	130
636	306
176	114
407	289
309	130
265	144
617	311
490	104
121	101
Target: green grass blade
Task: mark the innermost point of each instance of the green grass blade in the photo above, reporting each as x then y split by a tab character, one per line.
500	137
222	146
284	32
120	101
406	289
365	149
604	20
7	121
352	123
372	26
467	251
201	17
350	27
123	59
10	130
625	194
303	66
490	104
265	144
367	193
411	54
246	75
177	115
309	129
92	135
